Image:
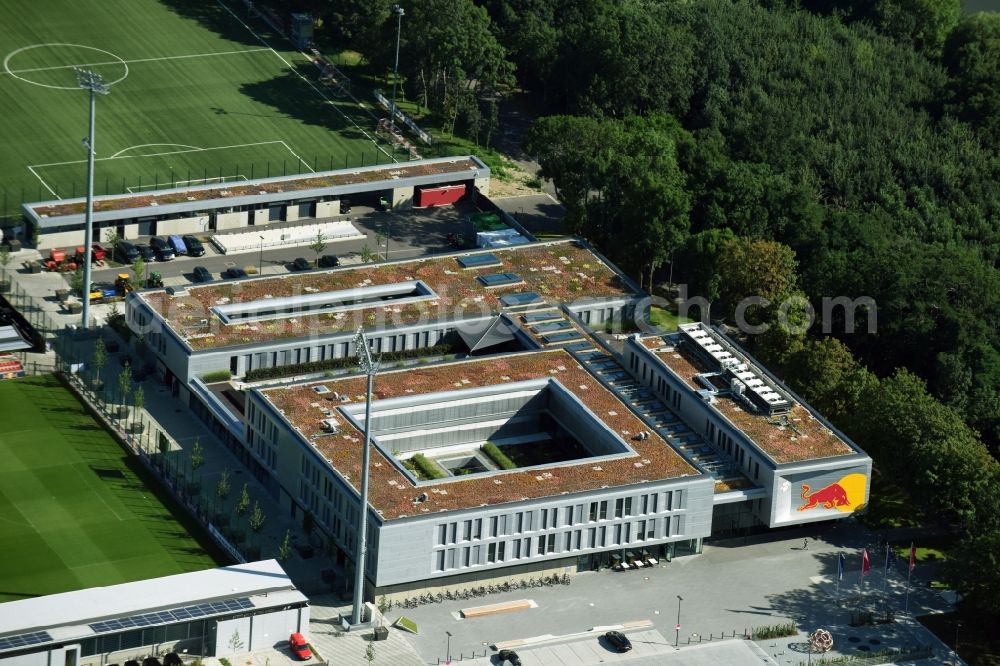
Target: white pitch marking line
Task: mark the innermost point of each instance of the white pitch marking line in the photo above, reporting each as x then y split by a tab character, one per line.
42	180
307	81
147	145
173	152
311	170
128	62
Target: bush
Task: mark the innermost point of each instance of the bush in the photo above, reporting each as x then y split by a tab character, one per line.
498	456
216	376
429	469
341	363
775	631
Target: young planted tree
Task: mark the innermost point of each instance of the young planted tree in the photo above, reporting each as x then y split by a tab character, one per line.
197	456
370	652
139	270
257	518
285	549
139	402
76	282
367	256
100	358
4	262
242	502
124	388
113	238
318	245
223	487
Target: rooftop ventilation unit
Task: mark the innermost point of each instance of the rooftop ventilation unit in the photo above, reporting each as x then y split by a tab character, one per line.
330	425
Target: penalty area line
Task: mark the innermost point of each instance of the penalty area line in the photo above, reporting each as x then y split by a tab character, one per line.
42	180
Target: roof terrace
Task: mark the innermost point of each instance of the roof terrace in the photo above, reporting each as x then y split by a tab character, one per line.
545	381
795	436
381	295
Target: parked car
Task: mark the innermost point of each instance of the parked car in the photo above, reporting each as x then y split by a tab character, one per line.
126	252
508	656
162	249
234	273
146	252
300	264
178	245
329	261
201	274
619	641
194	246
297	644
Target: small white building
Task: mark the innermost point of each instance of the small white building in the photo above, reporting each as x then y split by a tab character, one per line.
216	612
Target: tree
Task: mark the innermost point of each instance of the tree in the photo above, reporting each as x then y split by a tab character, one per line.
139	270
76	282
113	238
222	488
235	642
972	56
755	268
139	402
318	245
285	549
4	262
370	652
974	569
125	386
197	456
99	359
242	502
257	518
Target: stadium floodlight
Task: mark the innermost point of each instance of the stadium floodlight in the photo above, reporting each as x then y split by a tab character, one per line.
92	81
398	11
370	367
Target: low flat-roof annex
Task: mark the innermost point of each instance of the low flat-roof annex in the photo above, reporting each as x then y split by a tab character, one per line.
560	272
805	438
393	495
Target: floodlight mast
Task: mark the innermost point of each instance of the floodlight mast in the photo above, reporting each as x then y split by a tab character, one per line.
92	81
370	367
398	11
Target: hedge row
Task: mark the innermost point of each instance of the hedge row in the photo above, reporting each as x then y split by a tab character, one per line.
429	469
498	456
216	376
346	362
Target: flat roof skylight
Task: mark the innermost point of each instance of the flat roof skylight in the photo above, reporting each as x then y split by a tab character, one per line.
324	302
514	300
499	279
479	261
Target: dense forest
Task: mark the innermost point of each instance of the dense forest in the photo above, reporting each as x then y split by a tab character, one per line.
796	149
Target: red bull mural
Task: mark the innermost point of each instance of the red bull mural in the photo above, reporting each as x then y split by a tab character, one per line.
847	494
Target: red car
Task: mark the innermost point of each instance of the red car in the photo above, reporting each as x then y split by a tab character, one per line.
297	644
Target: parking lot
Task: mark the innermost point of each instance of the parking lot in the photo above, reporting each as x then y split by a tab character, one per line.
410	233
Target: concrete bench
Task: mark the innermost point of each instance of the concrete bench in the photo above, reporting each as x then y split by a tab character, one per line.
496	609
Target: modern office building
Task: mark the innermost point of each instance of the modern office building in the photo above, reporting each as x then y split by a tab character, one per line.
217	612
544	447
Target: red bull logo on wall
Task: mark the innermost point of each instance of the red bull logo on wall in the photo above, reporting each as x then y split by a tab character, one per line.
847	494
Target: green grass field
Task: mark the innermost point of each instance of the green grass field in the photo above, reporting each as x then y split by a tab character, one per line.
199	93
75	510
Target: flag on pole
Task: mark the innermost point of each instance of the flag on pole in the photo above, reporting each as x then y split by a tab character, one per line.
866	565
913	556
841	561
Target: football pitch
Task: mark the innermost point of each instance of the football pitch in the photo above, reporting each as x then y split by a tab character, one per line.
74	513
200	92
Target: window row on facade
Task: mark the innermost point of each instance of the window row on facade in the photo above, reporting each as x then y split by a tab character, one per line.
605	536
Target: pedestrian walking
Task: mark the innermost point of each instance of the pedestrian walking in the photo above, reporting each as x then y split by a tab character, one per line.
805	544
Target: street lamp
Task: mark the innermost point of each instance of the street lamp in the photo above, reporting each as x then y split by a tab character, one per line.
677	637
260	261
369	367
447	651
398	11
92	81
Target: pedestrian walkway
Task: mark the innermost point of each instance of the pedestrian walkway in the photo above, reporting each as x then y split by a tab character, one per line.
337	646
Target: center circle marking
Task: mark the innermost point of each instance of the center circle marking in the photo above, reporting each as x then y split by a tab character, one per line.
6	65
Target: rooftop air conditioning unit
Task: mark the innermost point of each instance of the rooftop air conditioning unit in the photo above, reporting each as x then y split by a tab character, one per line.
737	387
330	425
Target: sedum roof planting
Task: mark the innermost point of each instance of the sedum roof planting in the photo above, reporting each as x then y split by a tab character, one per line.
392	494
560	272
805	437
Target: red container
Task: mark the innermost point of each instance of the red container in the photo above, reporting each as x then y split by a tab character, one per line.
439	196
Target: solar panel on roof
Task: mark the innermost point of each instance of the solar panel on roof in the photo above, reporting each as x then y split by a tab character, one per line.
525	298
562	337
478	261
24	640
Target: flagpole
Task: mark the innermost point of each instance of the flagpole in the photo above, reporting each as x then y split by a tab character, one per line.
885	579
909	571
